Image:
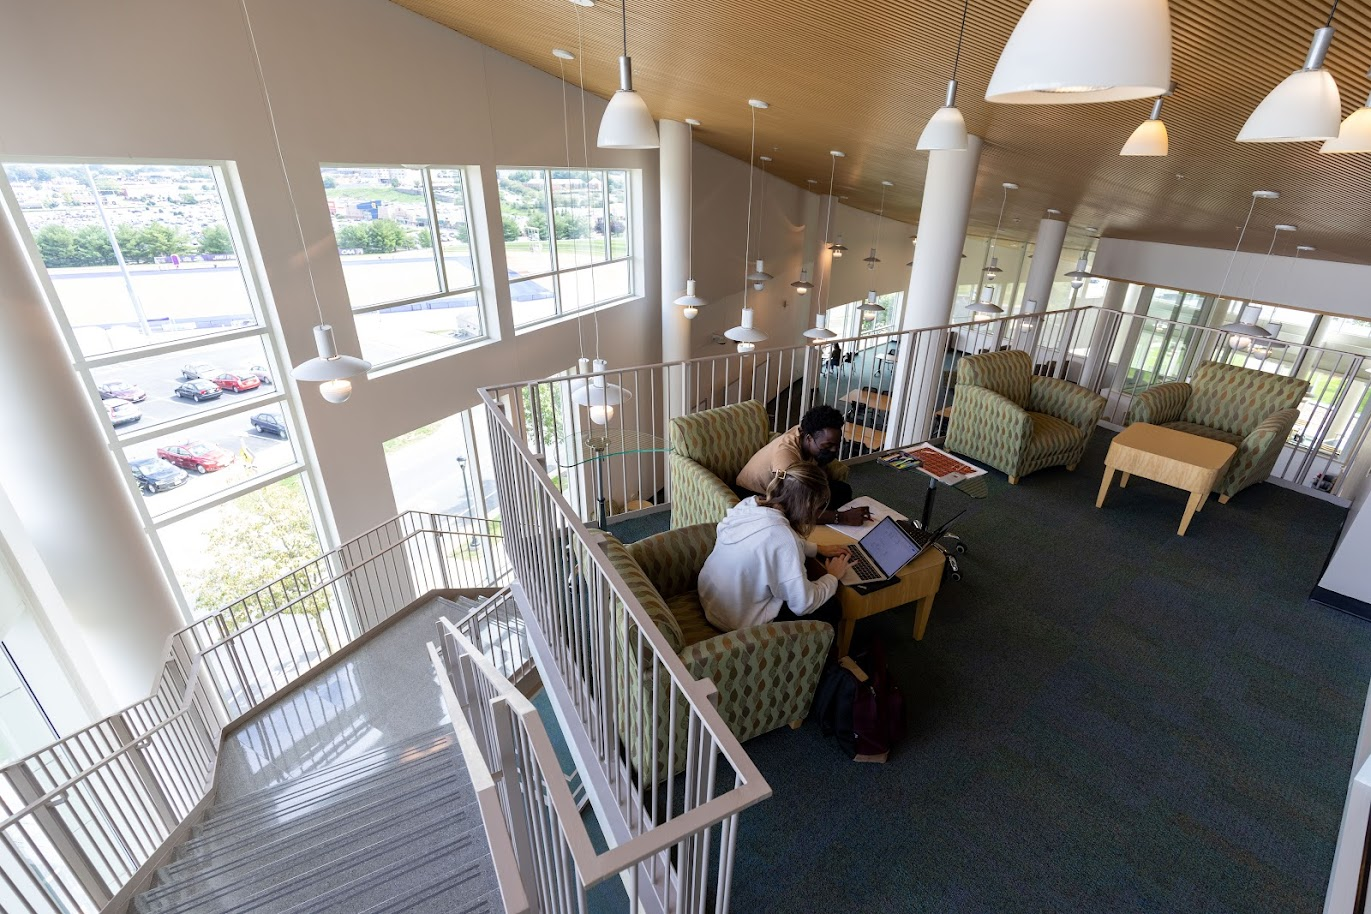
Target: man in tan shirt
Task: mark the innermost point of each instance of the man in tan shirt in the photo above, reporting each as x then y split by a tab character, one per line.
817	439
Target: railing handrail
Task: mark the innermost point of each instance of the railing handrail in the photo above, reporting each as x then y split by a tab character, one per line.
169	646
729	746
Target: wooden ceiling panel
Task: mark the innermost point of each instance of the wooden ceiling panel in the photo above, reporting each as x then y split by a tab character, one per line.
864	78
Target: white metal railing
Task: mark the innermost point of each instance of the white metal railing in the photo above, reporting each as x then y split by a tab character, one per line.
662	769
84	815
896	388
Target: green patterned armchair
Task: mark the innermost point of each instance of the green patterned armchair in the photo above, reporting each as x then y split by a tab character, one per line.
1252	410
765	674
708	450
1018	422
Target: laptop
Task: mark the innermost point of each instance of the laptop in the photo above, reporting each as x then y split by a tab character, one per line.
879	554
923	538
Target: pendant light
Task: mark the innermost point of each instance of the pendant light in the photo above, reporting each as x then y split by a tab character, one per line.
837	248
987	303
1305	106
627	123
759	276
1150	139
914	240
1066	52
690	302
1246	328
872	259
1355	133
598	395
802	285
745	334
330	369
946	129
871	305
821	318
1079	275
993	269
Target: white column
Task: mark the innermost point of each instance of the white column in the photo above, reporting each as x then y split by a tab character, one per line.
675	217
1103	336
68	492
1047	254
948	184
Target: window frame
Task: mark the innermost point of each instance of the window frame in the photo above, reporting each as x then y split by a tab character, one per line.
229	189
558	271
470	176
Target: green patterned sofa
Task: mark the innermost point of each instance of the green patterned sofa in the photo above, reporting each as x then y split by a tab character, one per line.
1018	422
708	450
1252	410
765	674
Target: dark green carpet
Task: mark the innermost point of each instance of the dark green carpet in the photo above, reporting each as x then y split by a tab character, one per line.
1104	716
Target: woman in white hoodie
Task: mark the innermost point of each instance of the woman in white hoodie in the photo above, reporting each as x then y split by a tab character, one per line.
756	573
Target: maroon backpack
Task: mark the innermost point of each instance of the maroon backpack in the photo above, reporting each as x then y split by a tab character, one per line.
859	704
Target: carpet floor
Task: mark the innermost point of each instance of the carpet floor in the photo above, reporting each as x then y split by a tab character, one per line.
1103	716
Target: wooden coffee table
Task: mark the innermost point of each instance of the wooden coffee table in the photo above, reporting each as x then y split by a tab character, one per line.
1173	458
919	581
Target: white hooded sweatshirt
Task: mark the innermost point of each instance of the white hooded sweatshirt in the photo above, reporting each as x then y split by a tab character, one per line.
758	563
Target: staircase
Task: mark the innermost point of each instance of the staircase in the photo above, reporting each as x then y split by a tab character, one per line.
393	830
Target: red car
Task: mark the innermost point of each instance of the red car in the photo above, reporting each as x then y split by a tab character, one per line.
200	456
238	381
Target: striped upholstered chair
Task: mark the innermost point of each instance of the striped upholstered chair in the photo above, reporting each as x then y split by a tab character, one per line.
765	675
1252	410
1018	422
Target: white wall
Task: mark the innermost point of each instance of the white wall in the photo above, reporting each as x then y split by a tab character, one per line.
1311	284
352	81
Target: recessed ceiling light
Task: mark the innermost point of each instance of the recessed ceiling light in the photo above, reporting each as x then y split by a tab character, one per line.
692	122
563	55
1266	194
757	103
584	2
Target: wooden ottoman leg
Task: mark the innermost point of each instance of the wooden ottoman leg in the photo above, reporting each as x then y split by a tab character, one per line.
1104	486
1190	508
1223	499
1123	480
845	636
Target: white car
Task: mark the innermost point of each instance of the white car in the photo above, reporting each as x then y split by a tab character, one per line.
199	370
121	412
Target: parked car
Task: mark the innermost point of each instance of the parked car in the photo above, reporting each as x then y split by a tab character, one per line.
156	475
121	412
198	370
262	373
237	381
200	456
199	390
270	424
122	390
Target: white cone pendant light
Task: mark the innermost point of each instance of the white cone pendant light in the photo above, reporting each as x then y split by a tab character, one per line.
598	395
1066	52
690	302
1079	275
1151	138
759	276
871	305
871	259
838	248
946	129
1355	133
802	285
987	303
627	123
820	329
1305	106
1245	324
746	335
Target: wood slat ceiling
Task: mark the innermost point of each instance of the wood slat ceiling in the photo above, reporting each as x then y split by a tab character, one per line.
864	78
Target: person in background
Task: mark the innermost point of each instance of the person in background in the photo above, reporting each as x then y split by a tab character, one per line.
757	571
816	441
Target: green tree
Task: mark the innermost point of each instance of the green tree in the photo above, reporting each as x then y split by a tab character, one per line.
423	239
352	236
57	244
93	247
569	225
216	240
261	536
189	199
511	227
142	244
330	182
537	223
386	236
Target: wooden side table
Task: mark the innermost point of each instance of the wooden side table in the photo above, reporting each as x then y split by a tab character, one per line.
1188	462
919	581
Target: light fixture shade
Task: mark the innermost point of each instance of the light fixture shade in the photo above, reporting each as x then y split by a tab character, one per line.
1150	139
820	329
946	129
994	269
627	123
1246	329
1304	107
597	392
984	307
690	299
759	274
871	305
1066	52
329	365
745	332
1354	135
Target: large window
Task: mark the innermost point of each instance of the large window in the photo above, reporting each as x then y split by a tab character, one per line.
566	239
405	240
166	331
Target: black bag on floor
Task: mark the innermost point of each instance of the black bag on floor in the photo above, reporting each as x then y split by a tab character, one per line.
858	703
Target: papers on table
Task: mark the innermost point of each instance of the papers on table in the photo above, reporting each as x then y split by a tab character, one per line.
942	466
879	512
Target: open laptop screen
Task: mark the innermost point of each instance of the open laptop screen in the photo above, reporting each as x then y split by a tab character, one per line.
888	547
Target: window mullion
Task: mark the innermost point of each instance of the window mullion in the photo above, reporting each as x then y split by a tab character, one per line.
439	263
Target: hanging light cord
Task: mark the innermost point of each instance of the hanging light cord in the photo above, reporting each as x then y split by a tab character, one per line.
751	173
623	10
1224	285
828	224
876	239
761	209
690	201
1000	221
1262	268
585	152
961	33
281	156
566	136
1331	13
